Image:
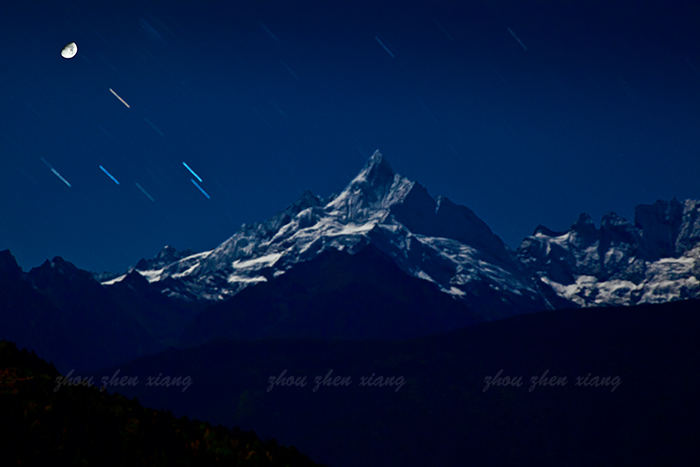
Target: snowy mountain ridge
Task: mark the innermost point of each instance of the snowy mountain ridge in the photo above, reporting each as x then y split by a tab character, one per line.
435	240
657	259
653	261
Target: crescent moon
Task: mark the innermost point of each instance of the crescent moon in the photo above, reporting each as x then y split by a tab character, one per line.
69	50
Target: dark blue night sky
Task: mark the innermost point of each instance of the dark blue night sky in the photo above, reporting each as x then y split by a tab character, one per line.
528	112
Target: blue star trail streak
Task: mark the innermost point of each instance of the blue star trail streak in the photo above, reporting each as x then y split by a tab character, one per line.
517	38
109	175
192	172
145	192
200	188
55	172
59	176
154	127
385	47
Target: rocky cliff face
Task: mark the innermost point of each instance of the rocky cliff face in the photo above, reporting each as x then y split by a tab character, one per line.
654	260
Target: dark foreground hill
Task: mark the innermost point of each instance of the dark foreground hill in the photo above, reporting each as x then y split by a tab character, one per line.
78	425
636	402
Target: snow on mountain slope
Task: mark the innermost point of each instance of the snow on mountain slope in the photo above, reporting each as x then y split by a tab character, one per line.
653	261
435	240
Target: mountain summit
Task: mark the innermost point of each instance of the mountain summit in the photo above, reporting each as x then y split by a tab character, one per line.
371	193
431	239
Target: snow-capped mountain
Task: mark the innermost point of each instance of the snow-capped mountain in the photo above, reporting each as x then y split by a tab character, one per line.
432	239
655	260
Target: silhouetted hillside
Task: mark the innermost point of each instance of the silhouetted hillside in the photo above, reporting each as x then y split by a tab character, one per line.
42	423
644	411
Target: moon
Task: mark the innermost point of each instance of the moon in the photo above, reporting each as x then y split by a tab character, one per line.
69	50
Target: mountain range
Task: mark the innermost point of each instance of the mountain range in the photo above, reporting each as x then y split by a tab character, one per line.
434	240
653	260
381	279
382	259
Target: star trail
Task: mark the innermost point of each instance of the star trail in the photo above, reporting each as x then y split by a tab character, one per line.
109	175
